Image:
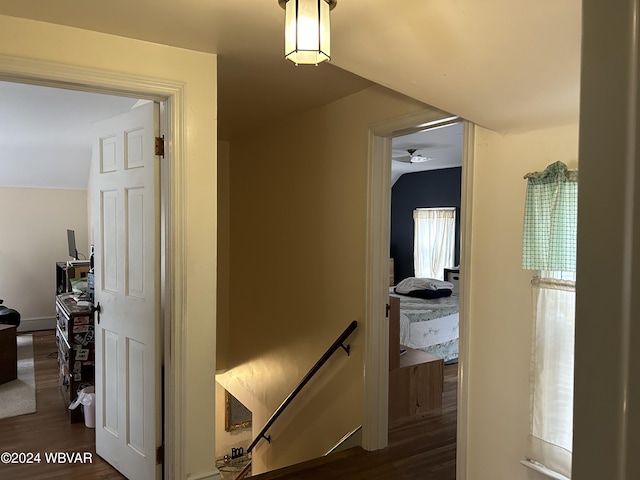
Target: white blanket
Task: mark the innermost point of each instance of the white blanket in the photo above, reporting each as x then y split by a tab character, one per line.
430	325
411	284
422	335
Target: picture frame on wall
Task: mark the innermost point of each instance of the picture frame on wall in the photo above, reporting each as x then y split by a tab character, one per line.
236	414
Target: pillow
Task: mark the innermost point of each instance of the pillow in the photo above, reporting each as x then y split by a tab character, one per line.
411	284
429	294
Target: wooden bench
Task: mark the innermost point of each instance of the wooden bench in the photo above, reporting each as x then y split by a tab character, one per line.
416	378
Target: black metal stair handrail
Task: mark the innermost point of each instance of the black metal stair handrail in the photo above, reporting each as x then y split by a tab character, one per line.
330	351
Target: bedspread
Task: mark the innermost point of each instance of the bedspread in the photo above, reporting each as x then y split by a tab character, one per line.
430	325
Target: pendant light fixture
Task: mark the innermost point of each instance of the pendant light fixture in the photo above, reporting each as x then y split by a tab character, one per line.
307	36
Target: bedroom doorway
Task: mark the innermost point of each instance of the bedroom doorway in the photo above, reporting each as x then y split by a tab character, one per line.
39	99
426	171
381	135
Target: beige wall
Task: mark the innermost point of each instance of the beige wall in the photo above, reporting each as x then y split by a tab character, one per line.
225	441
222	317
33	237
197	173
297	271
298	236
500	308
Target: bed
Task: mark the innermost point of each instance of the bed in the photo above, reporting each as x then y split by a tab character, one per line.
430	325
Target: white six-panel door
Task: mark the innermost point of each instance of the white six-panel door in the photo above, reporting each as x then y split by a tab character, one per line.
128	407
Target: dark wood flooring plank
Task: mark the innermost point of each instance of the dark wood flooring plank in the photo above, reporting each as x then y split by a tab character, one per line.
422	447
49	430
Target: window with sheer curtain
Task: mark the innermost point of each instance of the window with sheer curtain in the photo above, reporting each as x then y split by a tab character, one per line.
434	241
549	249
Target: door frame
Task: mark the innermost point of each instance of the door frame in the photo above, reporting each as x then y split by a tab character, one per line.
375	424
171	95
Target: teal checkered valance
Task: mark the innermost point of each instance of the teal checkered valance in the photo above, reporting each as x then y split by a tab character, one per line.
551	219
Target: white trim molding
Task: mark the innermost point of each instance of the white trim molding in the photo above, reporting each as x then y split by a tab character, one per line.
172	93
606	430
375	426
466	215
376	362
541	469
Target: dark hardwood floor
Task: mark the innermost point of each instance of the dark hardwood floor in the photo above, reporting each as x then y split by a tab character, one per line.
48	430
423	447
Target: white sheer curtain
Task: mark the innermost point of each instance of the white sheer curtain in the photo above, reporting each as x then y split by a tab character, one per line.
434	241
549	243
551	374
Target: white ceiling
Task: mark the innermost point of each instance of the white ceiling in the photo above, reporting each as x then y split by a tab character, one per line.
507	65
45	134
443	146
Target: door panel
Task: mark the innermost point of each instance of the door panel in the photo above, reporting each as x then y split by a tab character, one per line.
108	254
109	360
124	176
136	358
135	251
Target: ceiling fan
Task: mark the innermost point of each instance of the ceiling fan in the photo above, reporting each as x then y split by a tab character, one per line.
413	157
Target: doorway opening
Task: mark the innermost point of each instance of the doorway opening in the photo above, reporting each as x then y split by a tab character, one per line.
100	102
381	135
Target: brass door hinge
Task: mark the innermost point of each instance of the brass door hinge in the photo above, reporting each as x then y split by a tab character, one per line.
160	146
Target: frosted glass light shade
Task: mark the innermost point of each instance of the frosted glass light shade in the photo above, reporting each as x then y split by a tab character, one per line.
307	38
